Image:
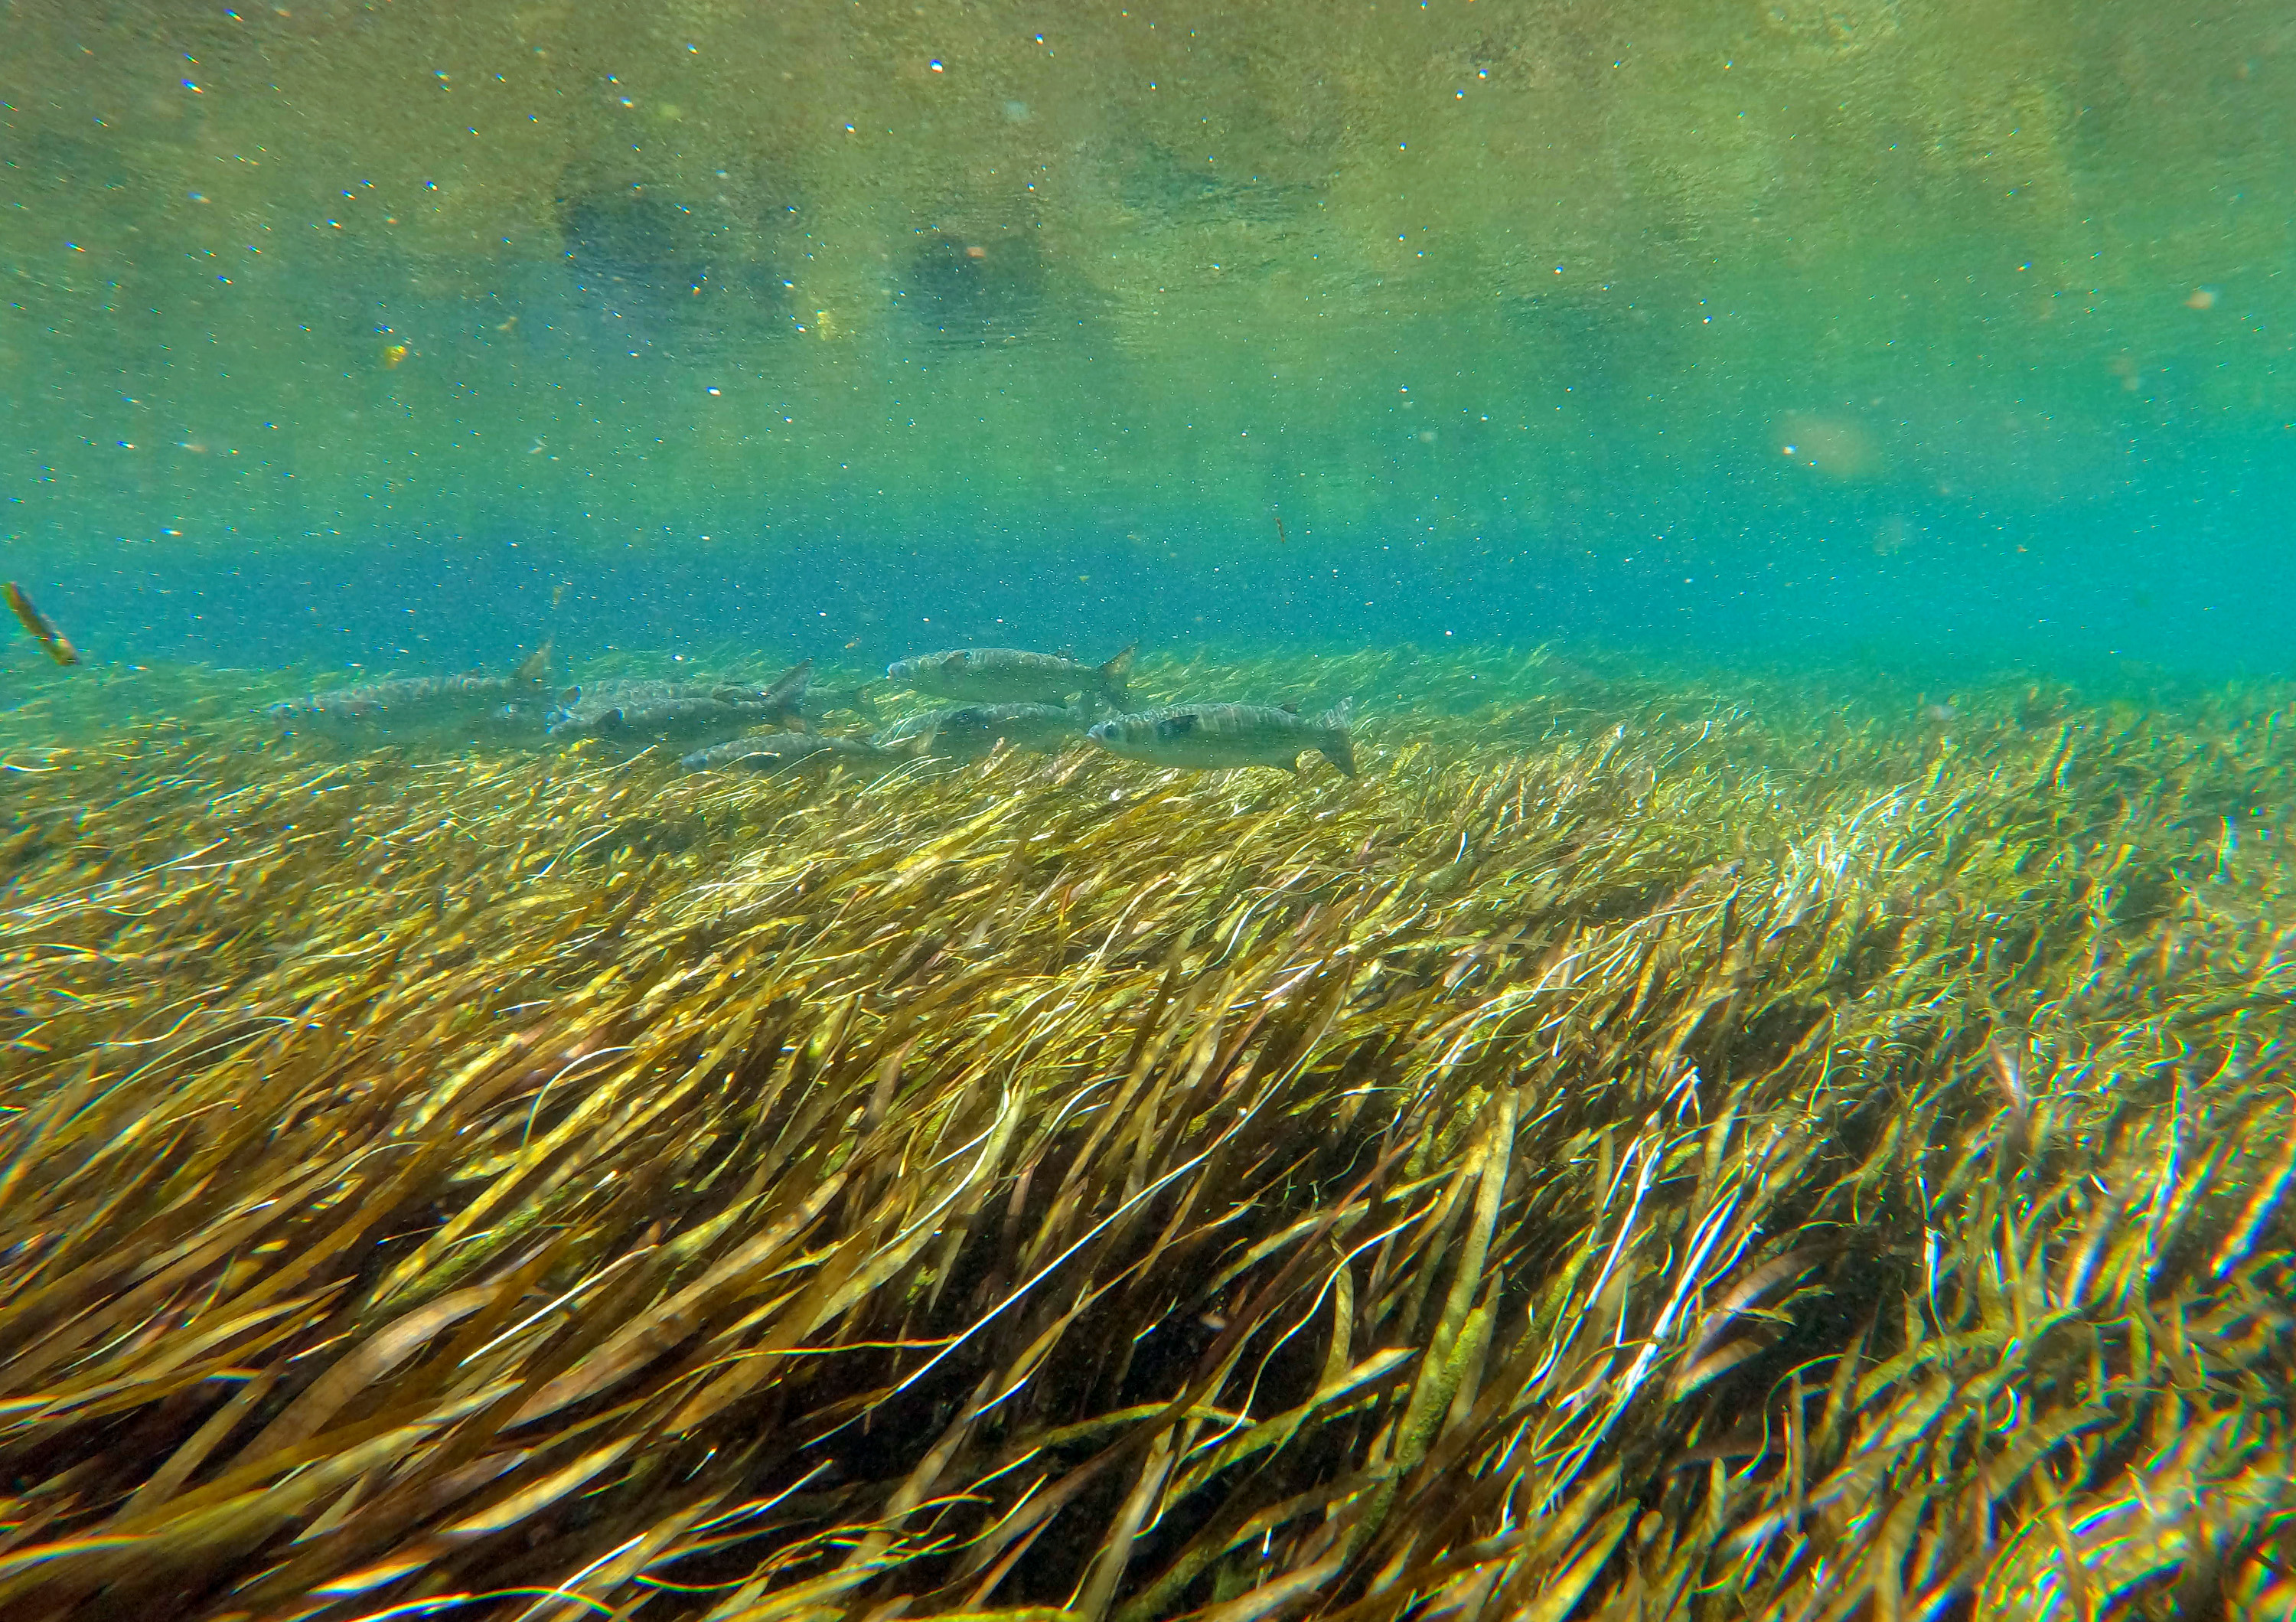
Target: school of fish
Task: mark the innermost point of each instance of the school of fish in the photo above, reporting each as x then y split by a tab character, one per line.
1008	698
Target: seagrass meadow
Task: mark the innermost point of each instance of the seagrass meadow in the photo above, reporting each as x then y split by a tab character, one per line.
1652	1146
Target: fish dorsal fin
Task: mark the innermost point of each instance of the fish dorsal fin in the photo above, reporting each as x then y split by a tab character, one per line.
1292	709
569	695
1115	674
536	665
791	682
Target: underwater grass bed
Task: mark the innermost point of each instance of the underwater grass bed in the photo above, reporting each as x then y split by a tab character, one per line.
1644	1148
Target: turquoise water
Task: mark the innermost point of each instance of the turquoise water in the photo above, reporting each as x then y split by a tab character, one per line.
1935	338
1791	497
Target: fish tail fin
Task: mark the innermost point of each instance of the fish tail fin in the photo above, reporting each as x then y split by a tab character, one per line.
1339	744
1115	676
536	665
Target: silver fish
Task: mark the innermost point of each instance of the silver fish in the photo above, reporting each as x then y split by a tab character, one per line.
1010	675
971	731
421	701
1216	736
771	754
678	710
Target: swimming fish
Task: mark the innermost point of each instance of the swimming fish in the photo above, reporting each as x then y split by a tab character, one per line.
771	754
971	731
1216	736
43	629
1009	676
418	700
678	710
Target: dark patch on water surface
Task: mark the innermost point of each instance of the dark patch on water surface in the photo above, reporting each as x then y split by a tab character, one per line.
44	159
617	239
1165	188
649	267
1600	338
975	294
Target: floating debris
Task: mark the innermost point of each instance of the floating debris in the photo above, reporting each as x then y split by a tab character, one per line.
56	644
